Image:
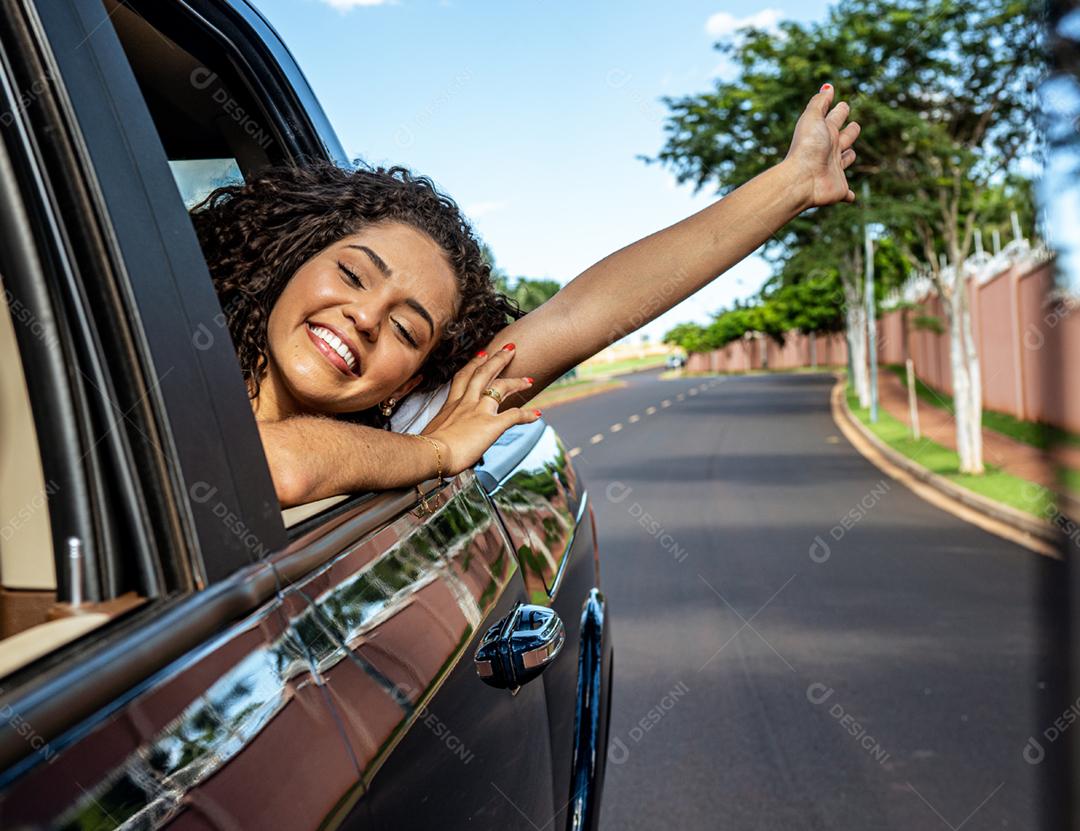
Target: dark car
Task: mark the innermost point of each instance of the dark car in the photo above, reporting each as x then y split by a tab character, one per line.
174	649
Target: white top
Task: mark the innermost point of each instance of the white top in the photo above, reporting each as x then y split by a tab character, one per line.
418	409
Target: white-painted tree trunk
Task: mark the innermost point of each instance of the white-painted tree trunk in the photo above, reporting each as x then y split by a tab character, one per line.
855	319
971	359
967	385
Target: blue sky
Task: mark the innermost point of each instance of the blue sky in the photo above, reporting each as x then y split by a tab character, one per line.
530	114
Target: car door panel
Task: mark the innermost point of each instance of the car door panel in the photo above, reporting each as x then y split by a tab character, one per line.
550	525
350	695
201	742
391	625
539	503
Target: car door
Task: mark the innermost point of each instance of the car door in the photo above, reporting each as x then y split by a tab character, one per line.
530	478
388	603
158	681
393	619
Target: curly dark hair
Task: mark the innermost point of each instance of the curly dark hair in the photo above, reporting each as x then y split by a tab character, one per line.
256	235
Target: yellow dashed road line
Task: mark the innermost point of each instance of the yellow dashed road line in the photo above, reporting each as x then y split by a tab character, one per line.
635	418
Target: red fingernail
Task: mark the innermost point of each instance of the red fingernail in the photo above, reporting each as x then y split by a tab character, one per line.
536	412
824	87
481	354
509	347
530	380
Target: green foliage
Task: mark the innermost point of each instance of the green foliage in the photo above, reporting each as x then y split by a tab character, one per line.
928	323
944	91
688	336
810	305
530	294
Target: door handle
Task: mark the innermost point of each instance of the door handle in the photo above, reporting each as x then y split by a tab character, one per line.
519	647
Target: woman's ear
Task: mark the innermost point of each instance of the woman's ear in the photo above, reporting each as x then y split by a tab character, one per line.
407	387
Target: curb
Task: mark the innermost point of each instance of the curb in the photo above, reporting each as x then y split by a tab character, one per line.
1043	533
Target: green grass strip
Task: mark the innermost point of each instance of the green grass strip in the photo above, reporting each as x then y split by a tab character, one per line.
1034	433
620	367
995	484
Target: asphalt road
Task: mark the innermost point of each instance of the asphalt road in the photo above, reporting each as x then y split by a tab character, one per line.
763	681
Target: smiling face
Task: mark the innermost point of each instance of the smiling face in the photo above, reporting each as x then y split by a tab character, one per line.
356	322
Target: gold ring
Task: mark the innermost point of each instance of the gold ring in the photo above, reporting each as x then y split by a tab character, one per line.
491	392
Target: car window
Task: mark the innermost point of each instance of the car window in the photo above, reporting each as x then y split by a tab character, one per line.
29	627
210	122
198	178
212	128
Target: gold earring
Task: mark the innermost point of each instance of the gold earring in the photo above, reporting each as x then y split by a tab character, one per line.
388	407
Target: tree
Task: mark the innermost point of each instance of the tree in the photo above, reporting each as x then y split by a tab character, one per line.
742	127
529	294
965	123
944	91
688	336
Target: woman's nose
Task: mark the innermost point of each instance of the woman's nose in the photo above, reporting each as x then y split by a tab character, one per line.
365	320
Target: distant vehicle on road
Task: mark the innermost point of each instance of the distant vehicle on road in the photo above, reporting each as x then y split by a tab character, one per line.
174	649
675	362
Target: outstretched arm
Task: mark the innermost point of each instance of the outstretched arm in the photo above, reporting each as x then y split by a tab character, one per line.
312	457
631	287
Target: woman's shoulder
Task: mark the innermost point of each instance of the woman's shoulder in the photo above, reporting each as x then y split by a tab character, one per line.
414	413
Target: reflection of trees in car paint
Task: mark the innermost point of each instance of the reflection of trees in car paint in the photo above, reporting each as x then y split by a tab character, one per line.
147	788
389	619
539	503
444	572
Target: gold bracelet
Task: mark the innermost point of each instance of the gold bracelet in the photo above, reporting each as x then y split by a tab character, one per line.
424	507
438	453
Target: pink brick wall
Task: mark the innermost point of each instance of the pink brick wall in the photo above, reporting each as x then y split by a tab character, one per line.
1025	343
757	353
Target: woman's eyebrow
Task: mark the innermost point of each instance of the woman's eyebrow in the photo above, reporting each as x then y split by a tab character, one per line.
379	262
386	271
417	307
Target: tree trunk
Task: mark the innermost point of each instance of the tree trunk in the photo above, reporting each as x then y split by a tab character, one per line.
855	319
856	335
967	389
971	360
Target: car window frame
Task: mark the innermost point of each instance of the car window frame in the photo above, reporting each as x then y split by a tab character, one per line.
83	683
59	423
221	479
158	264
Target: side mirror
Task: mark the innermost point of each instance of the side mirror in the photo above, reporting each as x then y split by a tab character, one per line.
519	647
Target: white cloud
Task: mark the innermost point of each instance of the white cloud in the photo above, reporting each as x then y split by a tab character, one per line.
724	24
345	5
479	209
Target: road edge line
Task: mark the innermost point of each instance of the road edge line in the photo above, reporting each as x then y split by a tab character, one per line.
940	492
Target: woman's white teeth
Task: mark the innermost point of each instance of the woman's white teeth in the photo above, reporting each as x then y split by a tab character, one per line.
334	342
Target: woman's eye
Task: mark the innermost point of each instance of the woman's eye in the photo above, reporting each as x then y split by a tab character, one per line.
350	275
406	334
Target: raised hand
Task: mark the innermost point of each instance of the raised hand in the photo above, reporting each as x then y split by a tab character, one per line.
470	422
821	150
